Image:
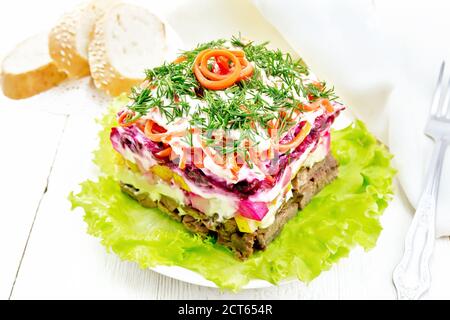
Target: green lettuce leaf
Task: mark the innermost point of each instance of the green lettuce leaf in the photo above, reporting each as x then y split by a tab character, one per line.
344	215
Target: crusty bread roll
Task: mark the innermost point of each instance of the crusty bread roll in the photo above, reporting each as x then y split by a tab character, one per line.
127	40
69	39
29	70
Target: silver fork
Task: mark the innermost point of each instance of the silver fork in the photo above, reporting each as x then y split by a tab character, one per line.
412	277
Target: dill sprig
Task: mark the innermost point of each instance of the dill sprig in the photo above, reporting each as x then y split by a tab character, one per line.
273	62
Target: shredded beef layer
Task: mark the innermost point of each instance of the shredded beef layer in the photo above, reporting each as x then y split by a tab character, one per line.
307	183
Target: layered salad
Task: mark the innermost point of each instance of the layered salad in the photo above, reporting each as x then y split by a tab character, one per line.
231	139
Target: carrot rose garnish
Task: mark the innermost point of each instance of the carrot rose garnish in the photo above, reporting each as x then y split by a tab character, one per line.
232	68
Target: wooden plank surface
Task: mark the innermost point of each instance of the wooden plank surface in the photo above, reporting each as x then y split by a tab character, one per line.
27	154
63	262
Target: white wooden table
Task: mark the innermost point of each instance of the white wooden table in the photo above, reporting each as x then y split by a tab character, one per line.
45	252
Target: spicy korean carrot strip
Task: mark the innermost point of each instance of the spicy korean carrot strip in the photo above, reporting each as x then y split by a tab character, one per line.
212	75
182	164
317	104
164	153
298	139
227	76
198	157
247	70
327	104
123	119
159	137
318	85
234	166
156	137
309	107
272	127
238	53
210	153
180	59
254	156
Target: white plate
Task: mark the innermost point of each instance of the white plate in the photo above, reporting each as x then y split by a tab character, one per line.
192	277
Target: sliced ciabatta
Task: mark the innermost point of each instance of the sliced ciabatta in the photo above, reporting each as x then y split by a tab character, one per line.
69	39
29	70
127	40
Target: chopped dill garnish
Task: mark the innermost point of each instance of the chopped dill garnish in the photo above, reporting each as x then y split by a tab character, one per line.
276	87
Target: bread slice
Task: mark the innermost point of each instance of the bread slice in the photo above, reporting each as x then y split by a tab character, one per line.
29	70
69	39
127	40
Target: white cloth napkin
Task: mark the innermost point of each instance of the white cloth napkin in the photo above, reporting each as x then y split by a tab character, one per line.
383	58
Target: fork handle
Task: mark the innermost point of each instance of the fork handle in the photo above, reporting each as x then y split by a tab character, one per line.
412	276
